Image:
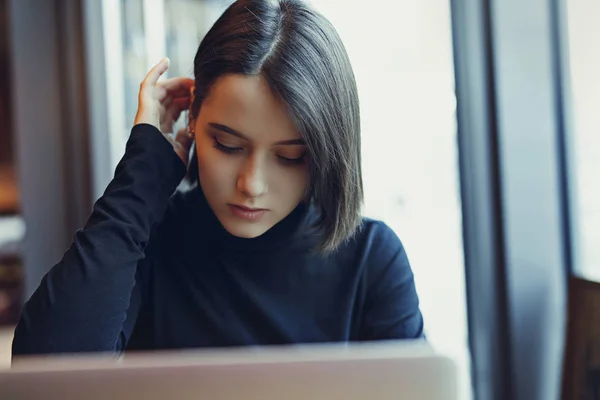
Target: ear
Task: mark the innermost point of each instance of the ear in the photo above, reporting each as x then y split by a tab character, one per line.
191	120
192	94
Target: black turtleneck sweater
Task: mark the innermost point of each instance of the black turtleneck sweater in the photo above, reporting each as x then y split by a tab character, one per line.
153	270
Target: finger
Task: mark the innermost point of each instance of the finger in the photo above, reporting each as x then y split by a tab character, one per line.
178	83
182	144
163	108
162	93
177	107
179	93
170	99
182	137
166	103
156	72
162	96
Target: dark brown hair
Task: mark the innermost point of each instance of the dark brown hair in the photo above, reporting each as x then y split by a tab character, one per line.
301	57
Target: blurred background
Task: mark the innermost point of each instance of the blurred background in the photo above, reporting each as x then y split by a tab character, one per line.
481	149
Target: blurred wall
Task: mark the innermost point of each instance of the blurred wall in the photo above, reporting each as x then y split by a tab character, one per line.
5	126
49	128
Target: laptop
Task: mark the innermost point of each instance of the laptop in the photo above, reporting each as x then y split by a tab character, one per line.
374	371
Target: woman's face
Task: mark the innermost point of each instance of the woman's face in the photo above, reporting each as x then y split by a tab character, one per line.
252	163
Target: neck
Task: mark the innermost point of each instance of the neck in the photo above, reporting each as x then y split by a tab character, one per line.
295	230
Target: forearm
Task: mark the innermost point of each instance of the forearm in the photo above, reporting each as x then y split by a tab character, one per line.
82	302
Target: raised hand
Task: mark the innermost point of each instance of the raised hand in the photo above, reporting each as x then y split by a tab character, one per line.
161	103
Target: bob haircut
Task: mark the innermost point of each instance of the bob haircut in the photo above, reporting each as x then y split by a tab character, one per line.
301	57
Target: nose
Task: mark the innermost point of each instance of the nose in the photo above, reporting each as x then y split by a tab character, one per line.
252	179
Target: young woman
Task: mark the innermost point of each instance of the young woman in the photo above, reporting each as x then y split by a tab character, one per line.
268	247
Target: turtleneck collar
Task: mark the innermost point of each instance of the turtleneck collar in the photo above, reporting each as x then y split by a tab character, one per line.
295	230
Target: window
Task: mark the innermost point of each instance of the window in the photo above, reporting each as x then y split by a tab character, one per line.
583	38
402	59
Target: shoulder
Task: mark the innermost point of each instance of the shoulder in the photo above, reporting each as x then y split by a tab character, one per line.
178	206
391	303
378	251
181	202
377	239
176	218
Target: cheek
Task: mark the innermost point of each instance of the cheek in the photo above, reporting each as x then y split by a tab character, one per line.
215	172
289	182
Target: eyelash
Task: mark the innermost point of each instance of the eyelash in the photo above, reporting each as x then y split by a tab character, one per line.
233	150
225	149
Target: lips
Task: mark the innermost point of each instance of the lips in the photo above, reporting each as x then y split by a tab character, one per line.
249	208
247	213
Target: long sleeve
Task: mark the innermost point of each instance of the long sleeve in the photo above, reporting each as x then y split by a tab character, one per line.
83	302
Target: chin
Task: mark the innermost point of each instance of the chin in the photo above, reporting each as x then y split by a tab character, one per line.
244	230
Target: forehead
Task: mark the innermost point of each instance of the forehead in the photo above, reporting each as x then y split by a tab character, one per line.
246	104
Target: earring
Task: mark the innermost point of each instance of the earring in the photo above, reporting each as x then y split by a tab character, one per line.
191	123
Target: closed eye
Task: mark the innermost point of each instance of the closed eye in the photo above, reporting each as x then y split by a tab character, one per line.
292	161
225	149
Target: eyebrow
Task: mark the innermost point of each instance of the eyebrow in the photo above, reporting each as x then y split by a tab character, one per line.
233	132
